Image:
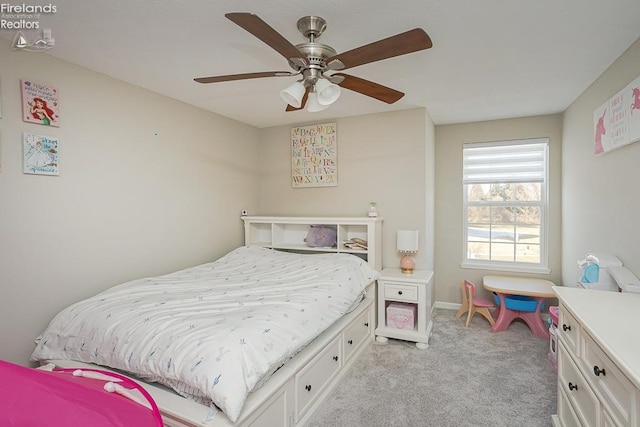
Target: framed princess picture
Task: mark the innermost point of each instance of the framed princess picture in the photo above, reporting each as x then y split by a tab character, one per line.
40	154
39	104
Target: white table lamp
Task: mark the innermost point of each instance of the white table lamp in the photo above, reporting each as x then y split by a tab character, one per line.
407	245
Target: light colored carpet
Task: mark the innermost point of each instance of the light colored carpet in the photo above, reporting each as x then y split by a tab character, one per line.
467	377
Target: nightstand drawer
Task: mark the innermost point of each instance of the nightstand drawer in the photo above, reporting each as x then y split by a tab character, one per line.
400	292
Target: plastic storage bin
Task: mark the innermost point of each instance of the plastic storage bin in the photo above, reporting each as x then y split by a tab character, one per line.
519	302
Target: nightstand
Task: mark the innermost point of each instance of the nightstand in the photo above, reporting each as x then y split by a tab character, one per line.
404	306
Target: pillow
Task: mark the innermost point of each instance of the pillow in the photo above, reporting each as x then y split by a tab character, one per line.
321	236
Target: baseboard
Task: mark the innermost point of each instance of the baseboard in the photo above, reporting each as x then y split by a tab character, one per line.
448	305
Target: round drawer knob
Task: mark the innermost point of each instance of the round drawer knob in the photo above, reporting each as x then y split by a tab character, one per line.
399	292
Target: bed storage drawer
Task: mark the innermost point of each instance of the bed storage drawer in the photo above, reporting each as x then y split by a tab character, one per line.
356	333
312	379
277	410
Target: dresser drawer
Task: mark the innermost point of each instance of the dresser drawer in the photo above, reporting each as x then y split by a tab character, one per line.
311	380
569	330
356	333
400	292
616	392
566	414
579	393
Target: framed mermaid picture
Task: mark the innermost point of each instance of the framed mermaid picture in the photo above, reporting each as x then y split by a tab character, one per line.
40	154
39	104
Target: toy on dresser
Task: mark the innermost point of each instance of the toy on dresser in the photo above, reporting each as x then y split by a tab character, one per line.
605	272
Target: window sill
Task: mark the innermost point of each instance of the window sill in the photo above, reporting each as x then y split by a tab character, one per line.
516	268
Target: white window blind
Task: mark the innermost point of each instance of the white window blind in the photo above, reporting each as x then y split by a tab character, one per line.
504	162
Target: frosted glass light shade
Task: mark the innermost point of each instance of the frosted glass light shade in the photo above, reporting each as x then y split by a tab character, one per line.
313	106
407	241
328	93
293	94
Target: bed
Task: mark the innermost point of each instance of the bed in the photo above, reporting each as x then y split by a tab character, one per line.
257	337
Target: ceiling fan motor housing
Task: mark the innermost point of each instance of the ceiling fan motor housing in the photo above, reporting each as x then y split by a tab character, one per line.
311	26
315	53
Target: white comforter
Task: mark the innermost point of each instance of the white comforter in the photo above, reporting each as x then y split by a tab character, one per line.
215	331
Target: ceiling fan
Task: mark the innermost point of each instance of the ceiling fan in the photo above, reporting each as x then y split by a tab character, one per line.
318	64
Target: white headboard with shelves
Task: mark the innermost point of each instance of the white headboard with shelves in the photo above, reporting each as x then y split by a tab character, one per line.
288	233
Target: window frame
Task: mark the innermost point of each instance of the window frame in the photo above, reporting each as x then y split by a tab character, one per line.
513	266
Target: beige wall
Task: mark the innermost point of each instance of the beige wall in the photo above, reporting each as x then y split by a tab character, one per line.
601	194
147	185
448	206
381	158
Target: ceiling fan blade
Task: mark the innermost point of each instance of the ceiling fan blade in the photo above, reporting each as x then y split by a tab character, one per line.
302	103
369	88
256	26
245	76
400	44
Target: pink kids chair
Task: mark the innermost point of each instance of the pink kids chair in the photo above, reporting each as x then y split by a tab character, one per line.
474	304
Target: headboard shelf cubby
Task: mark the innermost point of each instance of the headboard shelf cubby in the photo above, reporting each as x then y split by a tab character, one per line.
288	234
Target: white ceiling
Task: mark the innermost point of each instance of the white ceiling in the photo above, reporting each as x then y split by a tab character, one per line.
491	59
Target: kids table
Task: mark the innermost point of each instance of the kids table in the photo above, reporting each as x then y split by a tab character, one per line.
538	289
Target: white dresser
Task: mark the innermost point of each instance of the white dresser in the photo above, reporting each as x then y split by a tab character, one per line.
598	358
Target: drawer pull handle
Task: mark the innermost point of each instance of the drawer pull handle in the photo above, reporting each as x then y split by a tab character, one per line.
350	341
307	387
572	386
399	292
599	371
335	358
366	324
566	328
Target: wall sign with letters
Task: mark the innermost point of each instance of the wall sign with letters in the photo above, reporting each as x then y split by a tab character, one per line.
314	156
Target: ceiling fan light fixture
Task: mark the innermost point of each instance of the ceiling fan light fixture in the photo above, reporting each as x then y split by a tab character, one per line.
313	106
327	92
293	94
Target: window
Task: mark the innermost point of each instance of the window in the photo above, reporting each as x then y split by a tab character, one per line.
505	205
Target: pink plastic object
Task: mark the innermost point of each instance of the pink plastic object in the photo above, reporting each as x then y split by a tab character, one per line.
553	312
532	319
32	397
401	316
477	301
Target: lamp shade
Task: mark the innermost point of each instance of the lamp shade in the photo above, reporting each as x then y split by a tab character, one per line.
313	105
327	92
407	241
293	94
